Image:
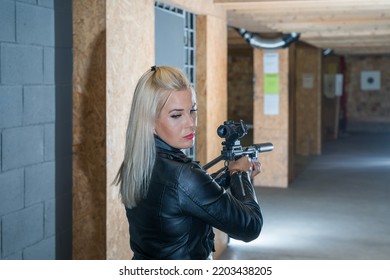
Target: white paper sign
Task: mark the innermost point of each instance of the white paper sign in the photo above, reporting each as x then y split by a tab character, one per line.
339	85
271	63
308	80
271	104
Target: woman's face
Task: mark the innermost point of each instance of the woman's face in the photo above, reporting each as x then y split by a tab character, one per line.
177	121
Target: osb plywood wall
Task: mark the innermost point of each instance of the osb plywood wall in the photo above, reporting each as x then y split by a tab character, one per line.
126	62
89	123
211	87
272	128
308	95
368	106
240	88
107	65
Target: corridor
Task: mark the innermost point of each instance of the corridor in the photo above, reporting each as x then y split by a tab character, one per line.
337	208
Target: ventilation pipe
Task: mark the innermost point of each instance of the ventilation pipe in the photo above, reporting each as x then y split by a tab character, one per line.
265	43
327	52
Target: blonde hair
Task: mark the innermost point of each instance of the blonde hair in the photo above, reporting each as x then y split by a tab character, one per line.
150	95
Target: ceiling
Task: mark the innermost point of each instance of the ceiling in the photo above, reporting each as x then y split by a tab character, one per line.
347	27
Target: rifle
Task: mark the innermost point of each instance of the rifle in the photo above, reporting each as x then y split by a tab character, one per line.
231	146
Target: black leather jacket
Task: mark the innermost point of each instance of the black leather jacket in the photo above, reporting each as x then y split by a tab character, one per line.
183	203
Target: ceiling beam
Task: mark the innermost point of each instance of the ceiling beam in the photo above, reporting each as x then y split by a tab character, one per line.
350	24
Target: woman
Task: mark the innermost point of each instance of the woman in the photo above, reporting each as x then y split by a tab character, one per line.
171	202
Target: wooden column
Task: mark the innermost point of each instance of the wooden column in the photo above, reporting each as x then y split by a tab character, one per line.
111	51
211	87
270	126
308	97
130	52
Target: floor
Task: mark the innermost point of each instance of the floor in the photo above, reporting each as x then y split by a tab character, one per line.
337	207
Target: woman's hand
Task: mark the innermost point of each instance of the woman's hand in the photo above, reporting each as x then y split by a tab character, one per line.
253	167
241	164
256	168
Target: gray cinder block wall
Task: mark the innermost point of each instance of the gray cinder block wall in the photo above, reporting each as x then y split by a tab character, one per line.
35	129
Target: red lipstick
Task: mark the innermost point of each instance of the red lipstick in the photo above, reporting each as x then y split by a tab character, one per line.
189	136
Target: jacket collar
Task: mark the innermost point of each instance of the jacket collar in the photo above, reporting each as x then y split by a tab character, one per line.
166	151
165	146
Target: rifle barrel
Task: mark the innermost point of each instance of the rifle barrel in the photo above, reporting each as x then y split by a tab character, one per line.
263	147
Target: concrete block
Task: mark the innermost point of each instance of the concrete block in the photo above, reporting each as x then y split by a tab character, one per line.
11	106
28	1
34	25
50	218
48	66
11	191
49	148
40	183
43	250
7	21
22	146
14	256
39	104
22	229
21	64
46	3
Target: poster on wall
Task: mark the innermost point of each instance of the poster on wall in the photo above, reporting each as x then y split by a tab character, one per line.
333	85
271	63
307	80
339	84
271	83
370	80
271	94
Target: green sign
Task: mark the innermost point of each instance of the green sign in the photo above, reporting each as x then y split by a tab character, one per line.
271	83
